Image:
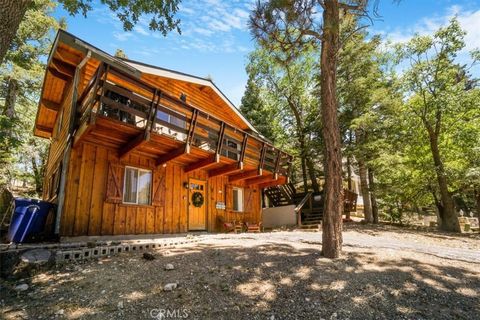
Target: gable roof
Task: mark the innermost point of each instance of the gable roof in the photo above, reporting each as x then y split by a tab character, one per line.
137	68
177	75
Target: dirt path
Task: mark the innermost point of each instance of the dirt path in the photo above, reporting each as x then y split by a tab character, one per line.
384	273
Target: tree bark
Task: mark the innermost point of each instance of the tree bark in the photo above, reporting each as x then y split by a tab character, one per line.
11	98
333	207
303	162
311	173
476	193
373	197
448	216
367	207
11	14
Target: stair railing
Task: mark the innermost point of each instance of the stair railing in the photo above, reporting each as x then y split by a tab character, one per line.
298	208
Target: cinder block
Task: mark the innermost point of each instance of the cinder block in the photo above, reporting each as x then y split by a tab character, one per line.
96	252
60	256
77	255
126	247
87	253
103	251
134	247
111	250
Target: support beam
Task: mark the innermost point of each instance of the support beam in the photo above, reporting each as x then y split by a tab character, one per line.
44	129
54	106
260	180
244	175
277	164
282	180
211	160
171	155
59	75
262	158
62	67
134	144
230	168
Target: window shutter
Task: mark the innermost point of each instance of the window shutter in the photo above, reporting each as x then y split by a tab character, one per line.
158	190
248	200
114	192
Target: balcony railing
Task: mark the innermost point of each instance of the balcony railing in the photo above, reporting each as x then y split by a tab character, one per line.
120	97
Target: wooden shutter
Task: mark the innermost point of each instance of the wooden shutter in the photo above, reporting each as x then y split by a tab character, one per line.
248	200
115	182
158	189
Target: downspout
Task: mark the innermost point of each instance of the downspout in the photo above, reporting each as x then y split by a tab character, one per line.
66	155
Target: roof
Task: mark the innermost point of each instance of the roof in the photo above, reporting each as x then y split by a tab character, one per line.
137	68
168	73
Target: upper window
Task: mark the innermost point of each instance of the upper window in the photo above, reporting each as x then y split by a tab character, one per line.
137	186
238	199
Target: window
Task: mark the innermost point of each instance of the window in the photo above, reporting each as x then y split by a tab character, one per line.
137	186
238	199
230	153
174	121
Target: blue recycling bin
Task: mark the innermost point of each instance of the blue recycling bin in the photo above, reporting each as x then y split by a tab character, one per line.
28	220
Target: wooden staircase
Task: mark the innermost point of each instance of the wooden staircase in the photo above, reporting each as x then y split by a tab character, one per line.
308	206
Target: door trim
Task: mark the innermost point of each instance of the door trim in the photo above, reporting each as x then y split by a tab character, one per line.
205	204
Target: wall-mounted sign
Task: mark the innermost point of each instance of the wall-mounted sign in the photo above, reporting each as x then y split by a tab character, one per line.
220	205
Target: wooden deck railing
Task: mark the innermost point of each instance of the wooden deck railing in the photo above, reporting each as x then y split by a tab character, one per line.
116	95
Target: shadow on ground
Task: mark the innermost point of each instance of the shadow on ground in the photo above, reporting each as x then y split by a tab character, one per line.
262	281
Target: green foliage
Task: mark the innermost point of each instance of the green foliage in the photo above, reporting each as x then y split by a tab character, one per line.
21	75
161	12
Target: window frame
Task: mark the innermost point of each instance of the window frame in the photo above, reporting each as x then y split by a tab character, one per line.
240	200
138	181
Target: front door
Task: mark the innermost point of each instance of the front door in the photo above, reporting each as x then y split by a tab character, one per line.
197	214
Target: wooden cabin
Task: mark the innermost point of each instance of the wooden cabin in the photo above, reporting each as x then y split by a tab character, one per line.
138	149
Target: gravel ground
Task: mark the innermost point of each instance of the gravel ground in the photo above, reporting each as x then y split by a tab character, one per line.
384	273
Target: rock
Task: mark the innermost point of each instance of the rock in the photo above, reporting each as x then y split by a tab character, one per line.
60	312
169	266
36	256
170	286
22	287
148	256
120	305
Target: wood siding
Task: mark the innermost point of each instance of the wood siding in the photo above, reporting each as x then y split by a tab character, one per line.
57	145
90	211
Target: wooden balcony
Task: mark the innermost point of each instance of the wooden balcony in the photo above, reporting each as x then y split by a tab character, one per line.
132	116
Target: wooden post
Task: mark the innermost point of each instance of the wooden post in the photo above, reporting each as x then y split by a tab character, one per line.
262	159
221	134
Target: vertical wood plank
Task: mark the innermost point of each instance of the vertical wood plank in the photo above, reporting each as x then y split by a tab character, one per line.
71	192
119	221
98	191
82	211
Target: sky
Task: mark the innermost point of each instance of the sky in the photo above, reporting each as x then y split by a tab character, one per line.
215	40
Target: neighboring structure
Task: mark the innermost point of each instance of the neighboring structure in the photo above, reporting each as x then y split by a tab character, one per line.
139	149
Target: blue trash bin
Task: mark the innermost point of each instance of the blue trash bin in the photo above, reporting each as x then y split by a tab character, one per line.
28	220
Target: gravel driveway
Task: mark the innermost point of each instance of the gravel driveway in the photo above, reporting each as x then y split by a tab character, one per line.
384	273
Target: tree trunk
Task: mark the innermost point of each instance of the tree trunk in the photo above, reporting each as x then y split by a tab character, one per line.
449	219
349	163
367	207
476	193
313	177
11	98
11	14
333	207
37	177
349	173
373	197
304	169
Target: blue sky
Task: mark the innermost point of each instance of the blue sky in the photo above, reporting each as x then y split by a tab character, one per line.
215	39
